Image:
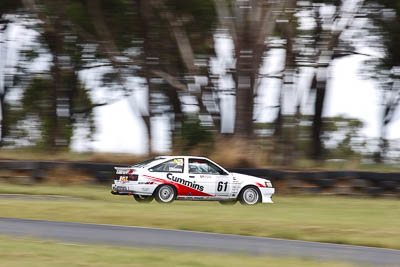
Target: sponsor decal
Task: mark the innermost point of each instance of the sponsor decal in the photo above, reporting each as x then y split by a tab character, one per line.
183	190
184	182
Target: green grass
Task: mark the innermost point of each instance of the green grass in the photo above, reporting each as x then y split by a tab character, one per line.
95	192
28	252
359	221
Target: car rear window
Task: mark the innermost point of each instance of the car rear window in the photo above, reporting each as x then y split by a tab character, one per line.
173	165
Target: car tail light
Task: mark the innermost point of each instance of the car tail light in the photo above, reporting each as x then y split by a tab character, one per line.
125	178
133	177
126	174
121	177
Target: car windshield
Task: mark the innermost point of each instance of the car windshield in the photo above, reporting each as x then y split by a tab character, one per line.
146	162
202	166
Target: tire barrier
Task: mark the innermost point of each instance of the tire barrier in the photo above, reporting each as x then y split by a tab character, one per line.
356	183
374	184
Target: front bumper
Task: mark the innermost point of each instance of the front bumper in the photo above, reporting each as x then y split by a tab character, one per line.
266	194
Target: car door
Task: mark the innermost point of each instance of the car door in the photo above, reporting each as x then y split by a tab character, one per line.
213	180
223	185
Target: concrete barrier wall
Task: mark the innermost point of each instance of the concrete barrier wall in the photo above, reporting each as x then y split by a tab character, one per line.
322	182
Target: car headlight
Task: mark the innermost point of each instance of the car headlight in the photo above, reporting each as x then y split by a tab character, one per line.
268	184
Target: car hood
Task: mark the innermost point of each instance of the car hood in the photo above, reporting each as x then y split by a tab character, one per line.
244	177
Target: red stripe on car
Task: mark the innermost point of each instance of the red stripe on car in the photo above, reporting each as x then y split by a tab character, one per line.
183	190
260	185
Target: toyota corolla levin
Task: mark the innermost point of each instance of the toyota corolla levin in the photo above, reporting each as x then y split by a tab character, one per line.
167	178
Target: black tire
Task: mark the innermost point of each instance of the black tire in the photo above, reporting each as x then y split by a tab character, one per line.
228	202
143	199
250	195
165	193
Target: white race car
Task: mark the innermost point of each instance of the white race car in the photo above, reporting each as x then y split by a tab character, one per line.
167	178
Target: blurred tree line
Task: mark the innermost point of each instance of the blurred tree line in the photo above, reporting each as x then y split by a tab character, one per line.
171	46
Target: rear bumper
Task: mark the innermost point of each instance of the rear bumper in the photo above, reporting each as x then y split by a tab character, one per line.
121	193
266	194
119	188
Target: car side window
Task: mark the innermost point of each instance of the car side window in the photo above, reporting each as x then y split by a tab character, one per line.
173	165
202	166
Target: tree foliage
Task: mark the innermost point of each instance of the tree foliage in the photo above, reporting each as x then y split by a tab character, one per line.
168	47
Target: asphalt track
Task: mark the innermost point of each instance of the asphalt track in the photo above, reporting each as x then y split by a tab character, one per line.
190	240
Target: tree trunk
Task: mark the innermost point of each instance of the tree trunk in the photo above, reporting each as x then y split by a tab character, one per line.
245	74
288	140
57	117
148	49
317	125
54	131
4	124
383	142
255	22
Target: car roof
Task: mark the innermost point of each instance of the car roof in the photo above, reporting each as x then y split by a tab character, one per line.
172	157
163	158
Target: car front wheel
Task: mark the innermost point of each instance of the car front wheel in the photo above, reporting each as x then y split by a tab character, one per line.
249	196
143	199
165	194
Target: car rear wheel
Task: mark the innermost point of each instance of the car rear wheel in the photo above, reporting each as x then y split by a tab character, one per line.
143	198
165	194
249	196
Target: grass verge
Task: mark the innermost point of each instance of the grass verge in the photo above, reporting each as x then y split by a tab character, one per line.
29	252
369	222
